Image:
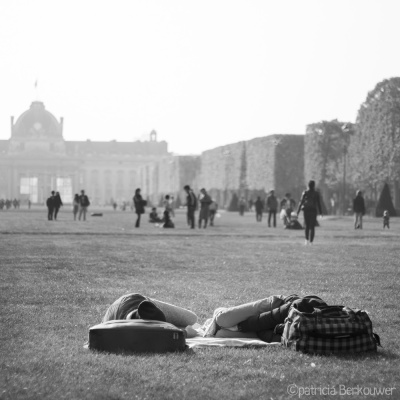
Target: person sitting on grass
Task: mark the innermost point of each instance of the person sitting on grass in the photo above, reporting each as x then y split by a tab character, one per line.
153	216
167	220
294	223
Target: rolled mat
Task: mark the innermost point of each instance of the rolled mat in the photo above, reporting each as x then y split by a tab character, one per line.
176	315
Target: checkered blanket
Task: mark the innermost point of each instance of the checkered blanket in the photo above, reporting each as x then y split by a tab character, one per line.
330	329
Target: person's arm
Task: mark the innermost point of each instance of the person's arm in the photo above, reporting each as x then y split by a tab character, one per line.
301	203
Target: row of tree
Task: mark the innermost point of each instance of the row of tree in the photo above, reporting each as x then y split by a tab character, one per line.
343	156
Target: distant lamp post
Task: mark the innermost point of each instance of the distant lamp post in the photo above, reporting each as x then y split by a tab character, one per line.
345	134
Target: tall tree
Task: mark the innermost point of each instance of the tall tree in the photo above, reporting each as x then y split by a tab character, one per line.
385	203
326	145
375	147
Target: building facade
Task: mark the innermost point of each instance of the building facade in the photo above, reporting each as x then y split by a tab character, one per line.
36	160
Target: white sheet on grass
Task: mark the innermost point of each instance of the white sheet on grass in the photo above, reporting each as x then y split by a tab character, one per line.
199	342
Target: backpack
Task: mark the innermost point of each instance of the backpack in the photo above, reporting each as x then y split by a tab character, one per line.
329	329
309	200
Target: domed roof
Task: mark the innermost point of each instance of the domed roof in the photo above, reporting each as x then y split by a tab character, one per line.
37	122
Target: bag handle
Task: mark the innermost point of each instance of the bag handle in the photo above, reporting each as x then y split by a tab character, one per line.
334	312
327	310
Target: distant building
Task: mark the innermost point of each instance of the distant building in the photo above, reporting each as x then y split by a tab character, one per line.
252	168
37	159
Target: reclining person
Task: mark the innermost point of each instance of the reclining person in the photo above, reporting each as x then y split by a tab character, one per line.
137	306
263	319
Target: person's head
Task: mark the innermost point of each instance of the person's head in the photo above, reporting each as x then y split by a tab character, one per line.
386	213
186	187
203	191
147	310
167	197
52	192
287	195
358	193
311	185
272	191
137	191
76	195
82	192
258	198
154	209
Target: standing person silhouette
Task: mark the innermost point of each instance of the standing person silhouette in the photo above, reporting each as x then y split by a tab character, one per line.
259	205
139	206
310	203
75	205
272	206
191	204
50	205
57	204
205	201
359	210
84	203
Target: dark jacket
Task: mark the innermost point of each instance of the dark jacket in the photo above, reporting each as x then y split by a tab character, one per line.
57	201
259	206
359	205
310	201
191	201
272	203
84	200
50	202
139	203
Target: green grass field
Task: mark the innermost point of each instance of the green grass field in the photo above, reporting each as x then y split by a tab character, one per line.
58	278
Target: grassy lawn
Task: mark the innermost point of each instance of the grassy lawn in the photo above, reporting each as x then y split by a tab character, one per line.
58	278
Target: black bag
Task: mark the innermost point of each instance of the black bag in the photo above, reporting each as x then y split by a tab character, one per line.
329	329
138	335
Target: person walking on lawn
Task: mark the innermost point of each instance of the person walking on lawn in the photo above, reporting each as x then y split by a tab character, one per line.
310	203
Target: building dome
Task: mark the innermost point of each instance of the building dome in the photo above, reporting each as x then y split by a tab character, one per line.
37	122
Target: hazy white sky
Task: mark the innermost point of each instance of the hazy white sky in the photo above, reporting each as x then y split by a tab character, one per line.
201	73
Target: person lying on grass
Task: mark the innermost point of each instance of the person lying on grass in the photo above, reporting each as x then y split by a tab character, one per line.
263	319
137	306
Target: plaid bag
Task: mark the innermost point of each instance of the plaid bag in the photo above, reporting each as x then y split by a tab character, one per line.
329	329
